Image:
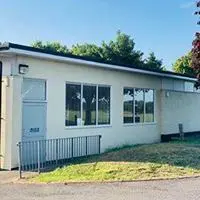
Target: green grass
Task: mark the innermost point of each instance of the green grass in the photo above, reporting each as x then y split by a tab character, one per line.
155	161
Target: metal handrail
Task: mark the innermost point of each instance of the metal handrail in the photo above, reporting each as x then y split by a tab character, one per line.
40	155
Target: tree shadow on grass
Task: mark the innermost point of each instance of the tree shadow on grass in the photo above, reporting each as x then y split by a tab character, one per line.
179	154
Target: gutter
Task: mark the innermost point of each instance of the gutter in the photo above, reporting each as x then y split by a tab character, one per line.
35	54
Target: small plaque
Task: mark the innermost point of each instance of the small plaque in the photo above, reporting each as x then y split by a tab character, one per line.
34	130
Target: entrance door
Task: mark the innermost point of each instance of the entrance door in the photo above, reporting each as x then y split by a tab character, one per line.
34	109
33	121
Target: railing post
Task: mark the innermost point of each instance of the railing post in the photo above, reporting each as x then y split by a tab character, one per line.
56	151
181	132
86	152
20	159
38	150
99	144
72	148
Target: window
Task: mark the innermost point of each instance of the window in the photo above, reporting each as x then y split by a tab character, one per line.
87	105
138	105
103	105
73	105
149	105
34	89
189	86
128	105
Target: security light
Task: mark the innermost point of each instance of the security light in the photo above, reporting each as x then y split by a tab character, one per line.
23	69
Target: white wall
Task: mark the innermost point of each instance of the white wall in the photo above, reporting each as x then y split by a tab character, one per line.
5	138
9	63
180	107
11	121
57	74
173	84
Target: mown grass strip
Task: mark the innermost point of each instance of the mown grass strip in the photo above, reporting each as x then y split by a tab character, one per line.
155	161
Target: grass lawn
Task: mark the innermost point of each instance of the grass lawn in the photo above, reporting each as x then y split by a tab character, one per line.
164	160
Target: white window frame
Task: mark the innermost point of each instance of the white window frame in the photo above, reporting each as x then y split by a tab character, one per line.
45	91
130	88
154	102
154	106
81	106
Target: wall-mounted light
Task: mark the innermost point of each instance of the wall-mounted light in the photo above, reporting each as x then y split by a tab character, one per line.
23	69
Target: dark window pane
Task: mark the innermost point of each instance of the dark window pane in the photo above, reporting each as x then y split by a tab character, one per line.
89	105
103	105
73	105
149	106
128	105
139	105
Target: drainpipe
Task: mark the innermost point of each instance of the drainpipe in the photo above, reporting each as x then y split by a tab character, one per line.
0	106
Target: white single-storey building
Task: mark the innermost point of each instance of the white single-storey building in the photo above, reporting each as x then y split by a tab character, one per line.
52	95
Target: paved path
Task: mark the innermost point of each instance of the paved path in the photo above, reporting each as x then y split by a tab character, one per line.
184	189
8	177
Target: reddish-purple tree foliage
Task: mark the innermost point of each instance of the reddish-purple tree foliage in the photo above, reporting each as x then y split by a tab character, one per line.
196	49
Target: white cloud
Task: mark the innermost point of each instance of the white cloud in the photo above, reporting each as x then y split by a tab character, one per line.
187	5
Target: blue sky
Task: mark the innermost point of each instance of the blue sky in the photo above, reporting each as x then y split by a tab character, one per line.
165	27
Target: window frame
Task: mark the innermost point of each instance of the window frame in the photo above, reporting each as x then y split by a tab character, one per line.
81	107
45	100
92	85
108	86
154	109
129	88
78	84
187	87
154	100
143	105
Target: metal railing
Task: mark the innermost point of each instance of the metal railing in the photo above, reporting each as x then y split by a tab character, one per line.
39	155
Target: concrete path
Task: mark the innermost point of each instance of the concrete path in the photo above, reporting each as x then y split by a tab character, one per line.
184	189
8	176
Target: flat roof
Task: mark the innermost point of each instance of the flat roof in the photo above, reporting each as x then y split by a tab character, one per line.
37	52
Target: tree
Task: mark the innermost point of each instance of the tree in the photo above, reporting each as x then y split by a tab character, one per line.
121	51
183	65
88	50
196	50
153	63
51	46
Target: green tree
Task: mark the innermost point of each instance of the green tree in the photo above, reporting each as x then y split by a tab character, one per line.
51	46
153	63
121	50
183	65
88	50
